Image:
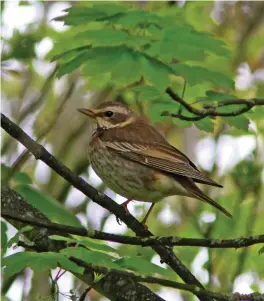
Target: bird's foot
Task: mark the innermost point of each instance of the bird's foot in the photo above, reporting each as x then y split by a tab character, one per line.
144	221
124	205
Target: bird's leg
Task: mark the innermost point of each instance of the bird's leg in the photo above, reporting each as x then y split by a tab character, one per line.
124	205
147	215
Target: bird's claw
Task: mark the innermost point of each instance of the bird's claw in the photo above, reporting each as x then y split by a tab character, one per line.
124	205
118	221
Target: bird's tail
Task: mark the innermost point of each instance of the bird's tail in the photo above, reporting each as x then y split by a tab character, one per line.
195	192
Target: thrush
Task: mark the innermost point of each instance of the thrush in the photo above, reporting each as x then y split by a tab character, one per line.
135	160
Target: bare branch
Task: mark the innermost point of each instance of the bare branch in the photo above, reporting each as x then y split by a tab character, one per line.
211	111
144	242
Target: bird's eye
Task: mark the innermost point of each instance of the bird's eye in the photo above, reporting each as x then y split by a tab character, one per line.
109	113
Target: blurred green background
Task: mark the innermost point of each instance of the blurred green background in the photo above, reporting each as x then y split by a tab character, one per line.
45	107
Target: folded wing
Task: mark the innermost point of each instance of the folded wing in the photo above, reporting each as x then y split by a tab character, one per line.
162	157
142	143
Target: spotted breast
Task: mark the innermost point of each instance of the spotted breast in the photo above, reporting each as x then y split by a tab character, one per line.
127	178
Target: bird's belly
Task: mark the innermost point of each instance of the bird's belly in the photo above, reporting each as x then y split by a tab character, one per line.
130	179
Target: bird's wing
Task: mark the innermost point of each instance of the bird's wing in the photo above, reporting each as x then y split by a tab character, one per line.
142	143
159	156
195	192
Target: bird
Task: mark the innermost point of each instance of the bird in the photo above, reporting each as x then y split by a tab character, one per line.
136	161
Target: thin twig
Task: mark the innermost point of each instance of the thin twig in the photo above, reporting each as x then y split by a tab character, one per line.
211	111
148	241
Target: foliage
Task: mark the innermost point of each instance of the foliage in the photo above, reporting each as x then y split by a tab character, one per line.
121	51
47	205
135	47
38	262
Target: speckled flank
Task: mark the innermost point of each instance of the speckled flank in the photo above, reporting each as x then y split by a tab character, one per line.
149	186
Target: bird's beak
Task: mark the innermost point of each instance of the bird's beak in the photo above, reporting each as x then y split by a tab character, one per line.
87	112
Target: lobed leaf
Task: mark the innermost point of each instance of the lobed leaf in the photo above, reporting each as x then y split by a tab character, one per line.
143	266
239	122
91	257
196	74
48	206
38	262
212	96
205	124
103	37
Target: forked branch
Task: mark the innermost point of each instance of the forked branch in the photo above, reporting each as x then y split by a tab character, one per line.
211	110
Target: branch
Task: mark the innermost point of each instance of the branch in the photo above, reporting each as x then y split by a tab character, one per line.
125	282
166	253
113	286
169	283
160	281
144	242
211	111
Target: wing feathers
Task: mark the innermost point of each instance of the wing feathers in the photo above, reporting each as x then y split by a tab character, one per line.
159	159
190	186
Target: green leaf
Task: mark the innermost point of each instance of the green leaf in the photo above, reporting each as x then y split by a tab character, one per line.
5	172
181	123
147	92
196	74
48	206
95	246
160	109
82	15
73	64
60	56
143	266
186	36
256	114
205	124
128	69
239	122
87	242
62	238
3	237
91	257
14	263
103	37
261	250
182	43
15	238
38	262
22	178
156	73
212	95
102	60
126	66
135	18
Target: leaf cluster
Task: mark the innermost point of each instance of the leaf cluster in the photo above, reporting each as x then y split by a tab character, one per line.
127	47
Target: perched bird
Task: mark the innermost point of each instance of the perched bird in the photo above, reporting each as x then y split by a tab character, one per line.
136	161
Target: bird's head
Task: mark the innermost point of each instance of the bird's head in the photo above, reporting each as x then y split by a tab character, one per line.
110	115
